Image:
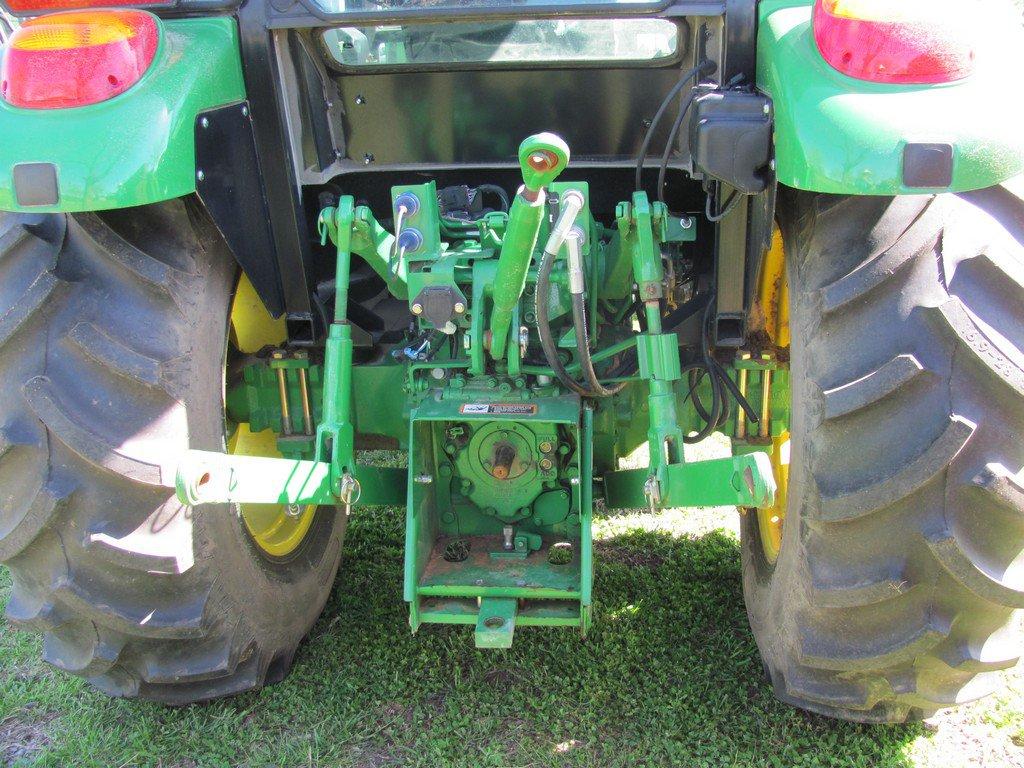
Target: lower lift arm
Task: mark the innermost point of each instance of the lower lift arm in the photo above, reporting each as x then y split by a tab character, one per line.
333	478
668	481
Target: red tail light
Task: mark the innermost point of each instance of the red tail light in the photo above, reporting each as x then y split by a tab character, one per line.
42	6
896	41
78	58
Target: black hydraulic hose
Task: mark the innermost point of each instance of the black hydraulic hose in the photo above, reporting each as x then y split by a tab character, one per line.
743	403
547	342
714	218
705	67
720	384
663	168
705	367
579	321
711	420
499	192
695	374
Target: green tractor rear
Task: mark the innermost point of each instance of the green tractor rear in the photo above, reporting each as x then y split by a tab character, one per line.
521	245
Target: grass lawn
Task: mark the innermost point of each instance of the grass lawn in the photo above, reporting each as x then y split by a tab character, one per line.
669	676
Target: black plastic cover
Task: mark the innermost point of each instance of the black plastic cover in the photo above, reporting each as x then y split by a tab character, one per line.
730	139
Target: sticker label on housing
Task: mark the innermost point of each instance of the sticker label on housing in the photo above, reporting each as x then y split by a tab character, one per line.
498	409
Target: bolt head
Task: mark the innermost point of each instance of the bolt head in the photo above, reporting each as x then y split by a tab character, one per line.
245	111
204	122
546	447
459	307
200	175
546	464
417	309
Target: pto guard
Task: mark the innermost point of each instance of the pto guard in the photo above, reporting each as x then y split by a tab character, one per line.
138	147
840	135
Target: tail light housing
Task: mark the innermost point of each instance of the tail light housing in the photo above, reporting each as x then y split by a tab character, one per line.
896	41
77	58
20	7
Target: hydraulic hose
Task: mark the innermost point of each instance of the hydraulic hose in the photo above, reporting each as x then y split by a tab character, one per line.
672	134
547	341
579	320
705	67
577	290
719	382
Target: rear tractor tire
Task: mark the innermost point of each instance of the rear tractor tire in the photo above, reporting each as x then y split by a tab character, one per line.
113	331
901	570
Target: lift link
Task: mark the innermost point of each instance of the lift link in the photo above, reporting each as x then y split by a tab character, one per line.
744	481
657	352
333	477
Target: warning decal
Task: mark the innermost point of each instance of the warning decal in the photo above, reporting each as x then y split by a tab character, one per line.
498	409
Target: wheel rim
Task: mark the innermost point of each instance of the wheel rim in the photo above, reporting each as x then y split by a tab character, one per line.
273	528
771	520
773	296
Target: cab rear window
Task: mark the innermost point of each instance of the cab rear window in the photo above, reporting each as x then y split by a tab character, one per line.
533	41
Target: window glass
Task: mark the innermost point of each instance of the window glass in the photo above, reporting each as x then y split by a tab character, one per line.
505	42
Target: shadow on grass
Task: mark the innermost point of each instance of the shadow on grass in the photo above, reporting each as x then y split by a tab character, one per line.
669	676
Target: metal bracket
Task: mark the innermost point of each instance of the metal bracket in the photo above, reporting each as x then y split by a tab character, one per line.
496	622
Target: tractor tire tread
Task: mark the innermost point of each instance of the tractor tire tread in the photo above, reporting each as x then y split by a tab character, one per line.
895	593
109	368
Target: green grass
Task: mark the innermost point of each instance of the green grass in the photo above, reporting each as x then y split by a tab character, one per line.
669	676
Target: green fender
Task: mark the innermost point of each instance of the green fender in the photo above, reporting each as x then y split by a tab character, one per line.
840	135
138	147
